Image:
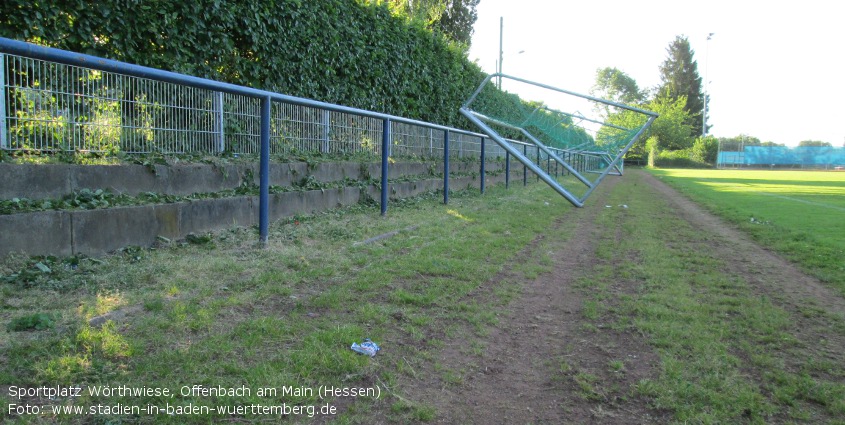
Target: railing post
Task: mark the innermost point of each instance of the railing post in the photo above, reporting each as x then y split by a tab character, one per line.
219	122
525	167
324	148
507	170
564	157
431	142
482	165
446	166
538	162
4	144
385	146
264	185
556	169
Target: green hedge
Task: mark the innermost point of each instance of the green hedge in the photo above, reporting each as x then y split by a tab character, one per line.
678	159
350	52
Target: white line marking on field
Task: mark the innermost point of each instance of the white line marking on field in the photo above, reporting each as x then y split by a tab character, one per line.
819	204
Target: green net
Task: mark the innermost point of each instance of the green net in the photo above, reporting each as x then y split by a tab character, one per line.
604	128
581	133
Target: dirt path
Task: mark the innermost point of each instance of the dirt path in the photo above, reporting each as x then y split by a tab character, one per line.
542	332
539	362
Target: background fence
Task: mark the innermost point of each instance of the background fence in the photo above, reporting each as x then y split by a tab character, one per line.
49	107
738	155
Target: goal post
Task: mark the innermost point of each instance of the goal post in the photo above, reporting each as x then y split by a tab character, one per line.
587	135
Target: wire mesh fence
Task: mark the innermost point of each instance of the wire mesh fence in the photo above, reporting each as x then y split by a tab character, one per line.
52	107
738	154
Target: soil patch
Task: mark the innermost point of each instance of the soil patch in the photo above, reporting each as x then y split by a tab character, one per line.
541	363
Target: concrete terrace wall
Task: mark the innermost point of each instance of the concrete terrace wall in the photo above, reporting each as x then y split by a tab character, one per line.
42	181
95	232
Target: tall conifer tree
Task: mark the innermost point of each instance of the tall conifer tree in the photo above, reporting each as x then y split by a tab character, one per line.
679	75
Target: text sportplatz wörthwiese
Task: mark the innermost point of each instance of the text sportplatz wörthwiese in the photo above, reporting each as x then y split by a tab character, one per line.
186	400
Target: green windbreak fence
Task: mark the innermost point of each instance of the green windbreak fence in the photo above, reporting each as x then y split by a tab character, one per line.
592	134
815	157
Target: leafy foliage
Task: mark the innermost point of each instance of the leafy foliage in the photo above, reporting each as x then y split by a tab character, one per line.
613	84
458	19
815	143
705	149
51	272
352	52
454	18
670	130
194	239
31	322
682	158
741	139
87	199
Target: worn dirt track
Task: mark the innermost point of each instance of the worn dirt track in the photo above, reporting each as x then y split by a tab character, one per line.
542	332
532	358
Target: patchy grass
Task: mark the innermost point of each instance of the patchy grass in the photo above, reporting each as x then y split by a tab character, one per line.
728	352
225	313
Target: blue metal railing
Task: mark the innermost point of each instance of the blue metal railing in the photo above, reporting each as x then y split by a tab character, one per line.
266	98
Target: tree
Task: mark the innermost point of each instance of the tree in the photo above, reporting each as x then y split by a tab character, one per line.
679	77
815	143
425	11
705	149
617	86
742	139
669	131
454	18
458	19
671	127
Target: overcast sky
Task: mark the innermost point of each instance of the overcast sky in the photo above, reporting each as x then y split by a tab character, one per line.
775	68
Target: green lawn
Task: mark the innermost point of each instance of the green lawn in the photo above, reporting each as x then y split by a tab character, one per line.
731	351
800	214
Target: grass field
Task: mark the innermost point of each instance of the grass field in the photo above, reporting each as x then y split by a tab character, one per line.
220	312
732	349
800	214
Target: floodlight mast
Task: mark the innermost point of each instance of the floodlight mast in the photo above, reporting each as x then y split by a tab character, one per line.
706	85
501	53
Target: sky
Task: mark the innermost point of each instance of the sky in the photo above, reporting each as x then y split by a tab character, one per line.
775	68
